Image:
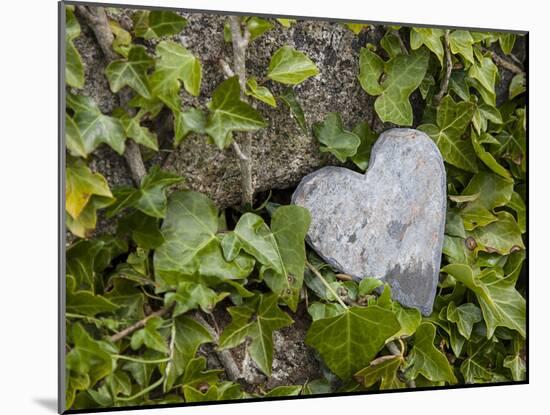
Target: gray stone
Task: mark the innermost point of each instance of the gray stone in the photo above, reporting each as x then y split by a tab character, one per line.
387	223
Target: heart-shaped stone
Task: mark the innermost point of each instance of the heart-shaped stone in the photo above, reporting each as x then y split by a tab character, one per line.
387	223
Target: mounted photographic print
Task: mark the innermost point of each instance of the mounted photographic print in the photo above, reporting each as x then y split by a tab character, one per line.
279	207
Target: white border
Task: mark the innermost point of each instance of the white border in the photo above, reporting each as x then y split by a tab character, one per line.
28	167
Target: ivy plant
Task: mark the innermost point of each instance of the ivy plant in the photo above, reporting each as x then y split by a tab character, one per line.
177	276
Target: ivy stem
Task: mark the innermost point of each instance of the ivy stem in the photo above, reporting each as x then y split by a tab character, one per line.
224	356
138	325
143	391
401	43
87	318
503	63
448	70
240	42
394	350
96	19
137	360
326	284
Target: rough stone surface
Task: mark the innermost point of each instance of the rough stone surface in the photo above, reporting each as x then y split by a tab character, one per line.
282	154
387	223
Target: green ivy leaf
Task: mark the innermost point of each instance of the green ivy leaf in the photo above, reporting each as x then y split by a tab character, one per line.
484	113
517	204
74	68
334	139
127	295
75	382
95	127
197	375
85	302
289	225
506	41
150	337
367	137
73	139
257	26
86	221
174	64
488	158
152	199
516	365
191	244
368	285
475	368
409	320
131	72
191	224
404	73
502	236
122	41
157	23
252	235
89	357
513	143
191	120
289	98
136	131
72	27
191	295
426	360
391	44
454	224
460	42
452	120
371	68
80	184
494	191
427	87
260	92
500	303
256	319
464	316
384	372
356	28
485	73
286	390
517	86
281	252
228	113
316	387
223	391
286	22
349	341
431	38
144	229
291	67
325	310
186	337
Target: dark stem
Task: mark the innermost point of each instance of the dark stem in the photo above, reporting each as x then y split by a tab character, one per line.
96	19
224	356
240	42
448	71
504	63
138	325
